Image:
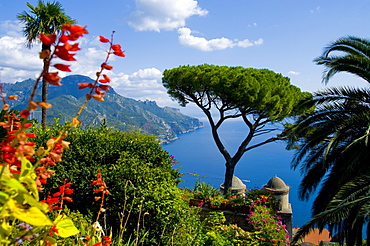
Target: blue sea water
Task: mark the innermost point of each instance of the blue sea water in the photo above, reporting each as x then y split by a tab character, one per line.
197	153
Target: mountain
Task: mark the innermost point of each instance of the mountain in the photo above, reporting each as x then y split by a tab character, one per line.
118	111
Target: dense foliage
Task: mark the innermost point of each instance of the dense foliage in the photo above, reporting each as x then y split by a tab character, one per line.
138	174
333	149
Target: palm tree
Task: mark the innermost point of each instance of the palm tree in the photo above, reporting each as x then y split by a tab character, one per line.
333	143
43	18
355	60
333	151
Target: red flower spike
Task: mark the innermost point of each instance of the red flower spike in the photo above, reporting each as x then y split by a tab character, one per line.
63	67
53	78
103	40
48	39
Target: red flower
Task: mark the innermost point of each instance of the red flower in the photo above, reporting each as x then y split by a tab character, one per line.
53	78
63	67
68	199
53	230
13	97
117	50
106	66
98	98
106	240
79	30
48	39
105	80
103	40
75	31
64	54
27	125
85	85
73	47
24	113
104	87
31	135
116	47
119	53
8	148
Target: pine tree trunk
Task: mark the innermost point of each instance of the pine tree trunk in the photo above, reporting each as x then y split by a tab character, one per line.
229	173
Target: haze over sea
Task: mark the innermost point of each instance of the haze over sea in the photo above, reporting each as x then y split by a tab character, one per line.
196	152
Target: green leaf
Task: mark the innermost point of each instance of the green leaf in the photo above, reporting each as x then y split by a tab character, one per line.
27	169
3	197
51	240
13	183
65	226
29	215
31	185
35	203
5	230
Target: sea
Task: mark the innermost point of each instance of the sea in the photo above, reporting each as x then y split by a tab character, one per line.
199	158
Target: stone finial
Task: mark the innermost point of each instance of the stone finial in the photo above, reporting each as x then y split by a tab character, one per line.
236	185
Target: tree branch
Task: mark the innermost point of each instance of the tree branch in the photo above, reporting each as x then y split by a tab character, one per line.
270	140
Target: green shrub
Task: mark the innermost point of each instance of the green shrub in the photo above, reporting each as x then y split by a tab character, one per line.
145	202
220	234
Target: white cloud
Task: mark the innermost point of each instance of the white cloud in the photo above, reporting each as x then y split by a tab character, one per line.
12	28
187	39
157	15
293	73
145	84
17	61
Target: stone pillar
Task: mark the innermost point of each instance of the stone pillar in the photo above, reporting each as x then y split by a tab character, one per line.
281	192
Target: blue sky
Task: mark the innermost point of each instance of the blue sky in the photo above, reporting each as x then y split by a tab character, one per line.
280	35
